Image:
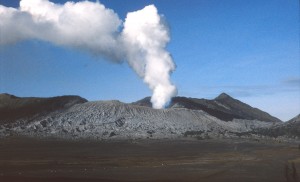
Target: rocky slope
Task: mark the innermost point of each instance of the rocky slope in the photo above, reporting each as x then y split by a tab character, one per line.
222	107
290	129
113	119
73	117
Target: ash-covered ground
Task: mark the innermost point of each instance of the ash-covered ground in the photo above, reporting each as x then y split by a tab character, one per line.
148	160
68	138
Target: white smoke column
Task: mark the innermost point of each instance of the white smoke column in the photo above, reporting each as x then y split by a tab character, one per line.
90	27
145	37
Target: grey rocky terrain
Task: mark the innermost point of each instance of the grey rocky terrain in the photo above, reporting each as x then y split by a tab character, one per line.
73	117
289	129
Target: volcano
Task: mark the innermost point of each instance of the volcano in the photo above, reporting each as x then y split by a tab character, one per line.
68	138
75	117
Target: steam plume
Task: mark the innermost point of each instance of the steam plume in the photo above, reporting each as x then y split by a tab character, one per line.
147	37
91	27
84	25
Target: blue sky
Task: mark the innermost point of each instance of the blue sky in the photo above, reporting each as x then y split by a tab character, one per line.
246	48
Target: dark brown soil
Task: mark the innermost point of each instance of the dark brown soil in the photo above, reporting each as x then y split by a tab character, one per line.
148	160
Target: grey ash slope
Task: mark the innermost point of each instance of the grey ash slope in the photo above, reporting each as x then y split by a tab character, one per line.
74	117
13	108
113	119
222	107
289	129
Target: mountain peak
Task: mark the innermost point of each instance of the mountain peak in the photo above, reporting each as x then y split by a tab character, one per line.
223	96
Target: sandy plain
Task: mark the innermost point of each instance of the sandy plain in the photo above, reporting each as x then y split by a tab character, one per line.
25	159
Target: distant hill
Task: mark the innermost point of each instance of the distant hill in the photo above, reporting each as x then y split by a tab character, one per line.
222	107
12	107
290	128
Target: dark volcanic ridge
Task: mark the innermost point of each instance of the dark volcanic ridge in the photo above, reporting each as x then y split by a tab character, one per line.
75	117
13	108
222	107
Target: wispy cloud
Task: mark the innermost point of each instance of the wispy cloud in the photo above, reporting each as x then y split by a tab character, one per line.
288	86
292	81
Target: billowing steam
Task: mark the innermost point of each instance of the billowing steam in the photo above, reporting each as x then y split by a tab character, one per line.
145	37
91	27
84	25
